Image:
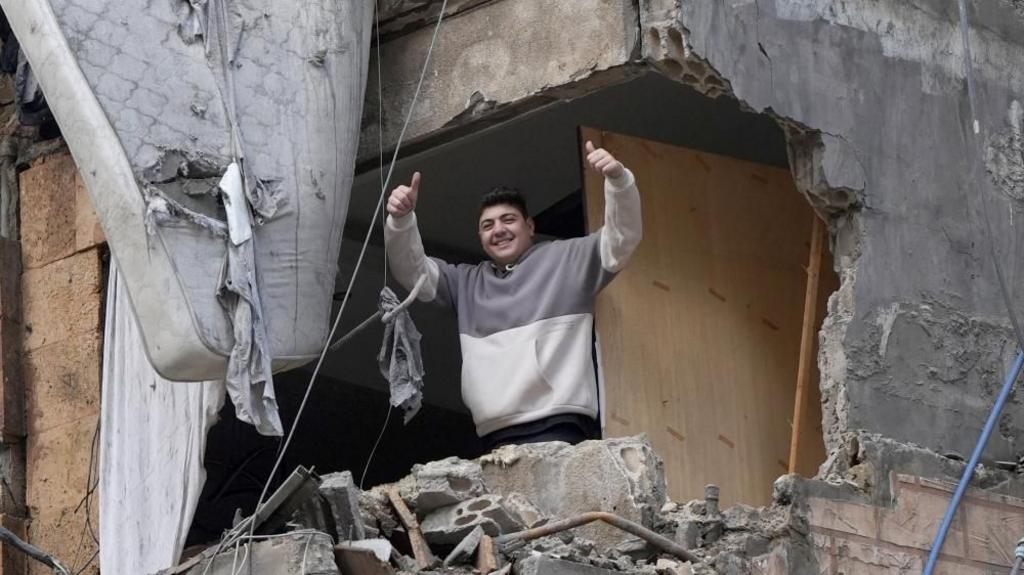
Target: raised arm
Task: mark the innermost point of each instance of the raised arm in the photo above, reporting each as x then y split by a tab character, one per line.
623	225
403	243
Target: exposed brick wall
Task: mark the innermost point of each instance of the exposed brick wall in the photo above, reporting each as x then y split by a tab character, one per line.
853	538
62	287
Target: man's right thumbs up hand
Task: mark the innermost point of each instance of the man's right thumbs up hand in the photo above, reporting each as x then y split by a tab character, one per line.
403	198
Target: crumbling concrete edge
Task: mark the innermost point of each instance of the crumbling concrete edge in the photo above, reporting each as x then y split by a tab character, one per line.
826	170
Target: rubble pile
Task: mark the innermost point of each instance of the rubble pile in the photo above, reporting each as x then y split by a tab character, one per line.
460	517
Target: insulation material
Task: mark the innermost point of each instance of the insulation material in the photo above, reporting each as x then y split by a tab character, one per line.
153	437
158	102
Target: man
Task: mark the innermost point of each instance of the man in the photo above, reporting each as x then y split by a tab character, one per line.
526	316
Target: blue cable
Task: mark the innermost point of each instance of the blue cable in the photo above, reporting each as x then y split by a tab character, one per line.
990	425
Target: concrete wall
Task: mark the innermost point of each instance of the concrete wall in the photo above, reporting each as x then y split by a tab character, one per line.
873	99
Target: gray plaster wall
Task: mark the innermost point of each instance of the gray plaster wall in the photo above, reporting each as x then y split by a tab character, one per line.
917	340
872	96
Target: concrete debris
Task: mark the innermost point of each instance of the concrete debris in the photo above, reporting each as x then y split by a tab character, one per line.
670	567
451	524
463	552
354	559
464	503
541	565
442	483
291	553
524	510
622	475
342	495
381	548
375	513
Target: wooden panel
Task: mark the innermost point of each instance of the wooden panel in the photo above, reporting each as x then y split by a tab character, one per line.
812	453
700	334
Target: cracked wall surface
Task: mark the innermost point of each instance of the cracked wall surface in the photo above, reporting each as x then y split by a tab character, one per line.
486	59
917	340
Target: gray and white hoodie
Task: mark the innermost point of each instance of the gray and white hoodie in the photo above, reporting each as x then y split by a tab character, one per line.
526	334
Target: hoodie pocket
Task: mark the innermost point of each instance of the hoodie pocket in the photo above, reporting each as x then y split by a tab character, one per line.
500	377
564	359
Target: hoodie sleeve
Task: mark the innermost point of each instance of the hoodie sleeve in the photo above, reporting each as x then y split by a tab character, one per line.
408	260
623	225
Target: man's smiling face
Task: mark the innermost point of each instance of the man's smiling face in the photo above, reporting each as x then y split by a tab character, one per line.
504	233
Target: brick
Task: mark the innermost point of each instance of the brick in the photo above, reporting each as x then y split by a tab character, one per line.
992	531
842	516
62	381
10	280
915	518
48	210
12	383
12	560
57	472
855	557
88	231
62	299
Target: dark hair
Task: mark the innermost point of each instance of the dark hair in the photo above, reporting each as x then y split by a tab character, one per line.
504	195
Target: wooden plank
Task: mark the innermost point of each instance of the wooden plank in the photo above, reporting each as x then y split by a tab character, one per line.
807	336
420	549
700	333
486	558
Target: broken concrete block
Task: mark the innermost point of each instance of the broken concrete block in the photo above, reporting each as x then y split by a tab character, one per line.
376	514
288	554
543	565
463	552
381	548
740	517
450	525
524	510
342	495
356	561
622	476
442	483
670	567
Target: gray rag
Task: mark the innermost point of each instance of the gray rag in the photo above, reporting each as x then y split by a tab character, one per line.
400	360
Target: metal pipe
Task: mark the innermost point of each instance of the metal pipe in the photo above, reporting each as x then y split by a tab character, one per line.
663	543
965	480
32	551
384	317
1019	554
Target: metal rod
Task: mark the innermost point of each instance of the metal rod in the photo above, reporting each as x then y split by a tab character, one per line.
1019	555
965	479
7	536
663	543
380	315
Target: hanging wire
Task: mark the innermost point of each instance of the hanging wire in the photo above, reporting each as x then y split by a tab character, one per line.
232	535
973	176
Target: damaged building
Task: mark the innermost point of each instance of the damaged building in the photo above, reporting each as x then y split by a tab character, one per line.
796	365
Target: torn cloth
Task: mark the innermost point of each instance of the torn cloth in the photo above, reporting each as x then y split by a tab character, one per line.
249	376
399	358
152	442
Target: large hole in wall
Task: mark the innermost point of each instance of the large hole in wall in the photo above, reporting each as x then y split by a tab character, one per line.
701	354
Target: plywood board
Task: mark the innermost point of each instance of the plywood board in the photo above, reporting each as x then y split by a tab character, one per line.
700	333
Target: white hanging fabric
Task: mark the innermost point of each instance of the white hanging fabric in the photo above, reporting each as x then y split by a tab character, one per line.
153	437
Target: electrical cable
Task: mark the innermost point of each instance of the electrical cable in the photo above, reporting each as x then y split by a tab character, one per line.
232	535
